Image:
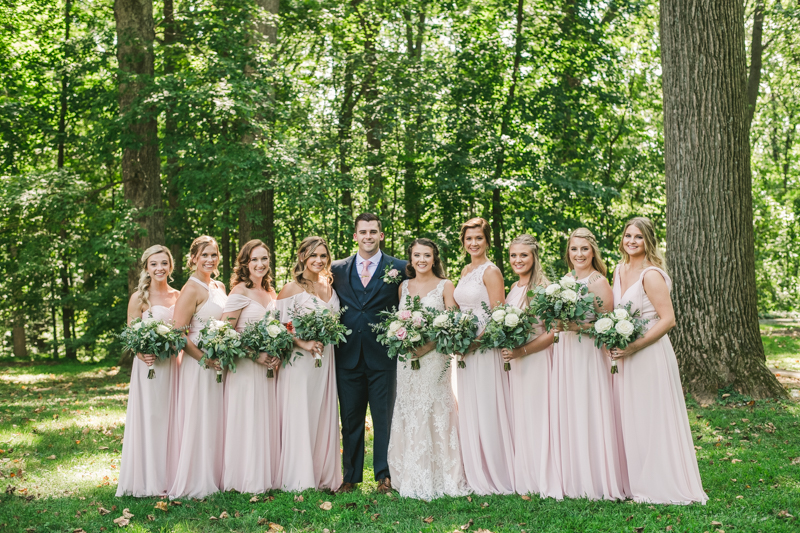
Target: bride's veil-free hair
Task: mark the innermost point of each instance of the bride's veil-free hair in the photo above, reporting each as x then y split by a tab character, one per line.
438	267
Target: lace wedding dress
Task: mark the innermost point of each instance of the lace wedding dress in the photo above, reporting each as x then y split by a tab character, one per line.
424	452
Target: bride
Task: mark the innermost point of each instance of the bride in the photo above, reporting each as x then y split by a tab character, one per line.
424	452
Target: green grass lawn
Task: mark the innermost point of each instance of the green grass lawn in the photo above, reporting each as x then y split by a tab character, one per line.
782	346
61	427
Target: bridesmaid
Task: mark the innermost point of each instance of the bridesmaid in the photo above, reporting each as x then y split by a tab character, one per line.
200	424
585	439
535	469
662	466
310	455
482	388
252	442
146	458
424	453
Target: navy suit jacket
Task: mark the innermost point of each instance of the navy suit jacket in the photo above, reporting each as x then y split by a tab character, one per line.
363	311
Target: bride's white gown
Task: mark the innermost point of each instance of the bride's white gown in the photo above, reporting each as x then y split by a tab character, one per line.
424	451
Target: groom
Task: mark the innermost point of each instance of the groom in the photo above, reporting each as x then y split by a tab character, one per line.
366	283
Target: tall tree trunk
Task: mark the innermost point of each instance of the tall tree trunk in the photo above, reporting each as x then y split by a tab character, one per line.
373	124
18	316
497	209
411	186
756	51
256	215
709	199
141	164
176	224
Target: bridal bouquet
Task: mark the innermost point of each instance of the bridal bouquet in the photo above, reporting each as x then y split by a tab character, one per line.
508	327
270	336
320	325
403	331
220	341
454	331
617	329
153	337
567	301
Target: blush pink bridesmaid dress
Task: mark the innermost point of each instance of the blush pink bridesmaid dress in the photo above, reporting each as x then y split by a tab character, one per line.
535	468
585	443
252	440
200	420
484	403
309	414
659	450
149	456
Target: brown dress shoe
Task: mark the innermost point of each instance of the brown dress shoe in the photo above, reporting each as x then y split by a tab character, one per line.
345	488
385	486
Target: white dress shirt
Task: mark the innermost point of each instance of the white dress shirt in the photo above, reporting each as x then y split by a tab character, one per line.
374	261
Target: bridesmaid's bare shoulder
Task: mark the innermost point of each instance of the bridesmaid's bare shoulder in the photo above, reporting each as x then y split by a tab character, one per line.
220	285
239	289
290	289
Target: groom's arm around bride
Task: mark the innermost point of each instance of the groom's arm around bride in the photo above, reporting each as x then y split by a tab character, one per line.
364	373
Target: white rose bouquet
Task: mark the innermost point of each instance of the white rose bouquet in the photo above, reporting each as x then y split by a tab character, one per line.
320	325
567	301
152	337
404	331
508	327
454	331
617	329
220	341
270	336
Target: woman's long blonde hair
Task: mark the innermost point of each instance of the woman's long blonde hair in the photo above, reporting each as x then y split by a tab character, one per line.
537	274
652	252
597	257
305	250
144	275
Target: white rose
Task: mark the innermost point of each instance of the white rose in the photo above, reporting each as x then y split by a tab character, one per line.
137	325
498	315
603	325
162	329
416	337
231	334
568	295
567	282
621	314
624	328
514	310
274	330
441	321
394	326
416	315
511	320
552	289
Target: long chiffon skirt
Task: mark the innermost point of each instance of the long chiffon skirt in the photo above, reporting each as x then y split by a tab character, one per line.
148	463
583	422
484	427
310	456
535	468
662	466
200	428
252	438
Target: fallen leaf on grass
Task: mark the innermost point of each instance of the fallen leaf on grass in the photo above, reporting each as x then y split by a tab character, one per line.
629	518
223	515
638	529
740	497
784	514
162	506
79	530
351	505
375	516
175	502
296	510
715	523
237	514
736	460
796	461
467	525
428	520
326	506
122	521
262	522
526	497
254	499
273	527
52	457
669	528
126	513
103	448
103	511
485	504
469	499
481	530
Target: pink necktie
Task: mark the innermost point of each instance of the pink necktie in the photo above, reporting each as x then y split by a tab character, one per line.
365	273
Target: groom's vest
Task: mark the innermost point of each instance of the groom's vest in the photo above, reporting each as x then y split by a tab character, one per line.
360	291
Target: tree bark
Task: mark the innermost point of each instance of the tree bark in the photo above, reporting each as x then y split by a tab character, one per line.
141	163
709	200
176	222
756	51
257	214
411	186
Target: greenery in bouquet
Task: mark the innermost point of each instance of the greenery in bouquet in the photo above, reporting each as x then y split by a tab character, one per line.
508	327
152	337
454	331
320	325
218	340
404	331
565	301
617	329
268	335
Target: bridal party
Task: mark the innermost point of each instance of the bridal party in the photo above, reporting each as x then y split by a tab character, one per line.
556	415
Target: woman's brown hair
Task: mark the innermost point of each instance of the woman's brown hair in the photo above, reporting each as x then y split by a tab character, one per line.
305	250
477	222
197	247
437	268
241	272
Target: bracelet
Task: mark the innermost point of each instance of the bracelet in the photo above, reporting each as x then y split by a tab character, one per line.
525	350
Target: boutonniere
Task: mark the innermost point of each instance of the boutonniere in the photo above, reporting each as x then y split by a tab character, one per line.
391	275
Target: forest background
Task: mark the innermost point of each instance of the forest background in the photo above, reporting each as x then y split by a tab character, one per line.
280	119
